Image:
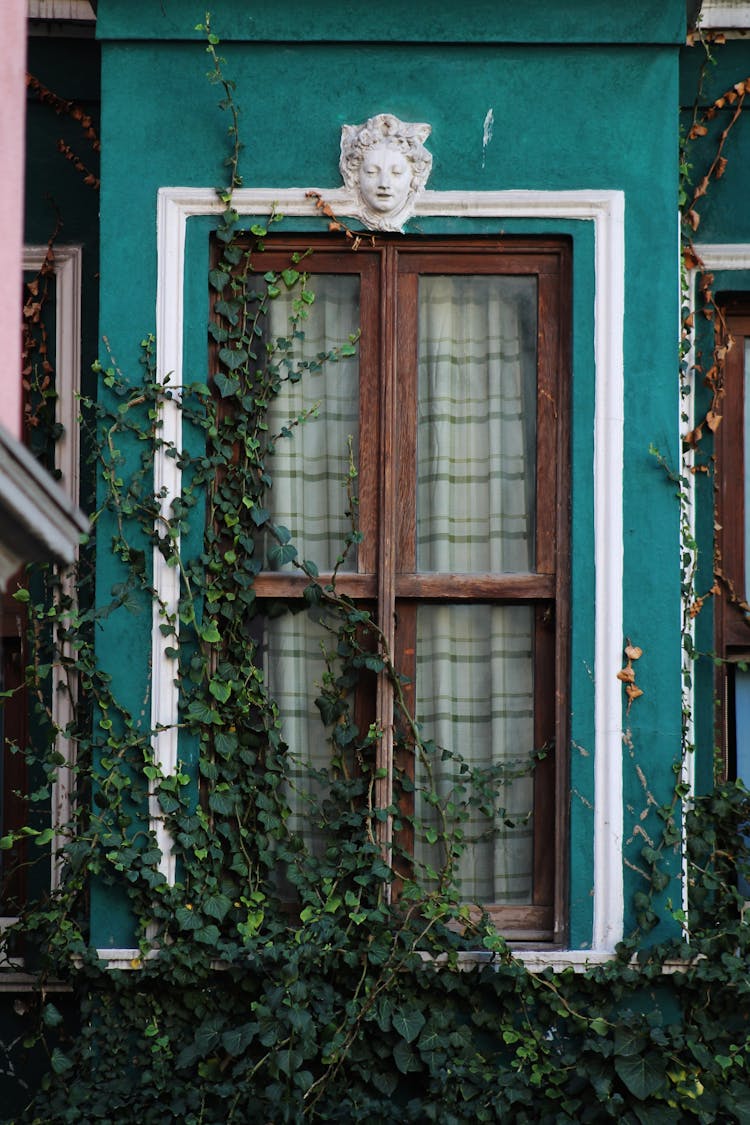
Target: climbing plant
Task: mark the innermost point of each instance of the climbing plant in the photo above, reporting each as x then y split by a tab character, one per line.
275	978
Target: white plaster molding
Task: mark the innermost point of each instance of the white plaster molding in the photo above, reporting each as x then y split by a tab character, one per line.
606	210
726	15
67	265
536	961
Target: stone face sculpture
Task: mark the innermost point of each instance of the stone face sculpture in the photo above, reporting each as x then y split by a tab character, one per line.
385	165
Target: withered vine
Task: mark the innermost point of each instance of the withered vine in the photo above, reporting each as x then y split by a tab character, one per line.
274	980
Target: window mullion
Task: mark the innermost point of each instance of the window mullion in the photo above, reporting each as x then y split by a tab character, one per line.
387	542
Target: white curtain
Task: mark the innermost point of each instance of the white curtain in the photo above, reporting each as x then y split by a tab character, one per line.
294	665
310	466
475	514
475	479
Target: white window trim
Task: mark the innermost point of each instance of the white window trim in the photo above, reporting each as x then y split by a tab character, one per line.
67	264
606	210
726	15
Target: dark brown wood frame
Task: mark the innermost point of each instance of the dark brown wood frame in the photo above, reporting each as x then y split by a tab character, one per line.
386	574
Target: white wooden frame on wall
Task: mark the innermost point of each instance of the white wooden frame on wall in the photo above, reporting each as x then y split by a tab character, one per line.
67	264
606	210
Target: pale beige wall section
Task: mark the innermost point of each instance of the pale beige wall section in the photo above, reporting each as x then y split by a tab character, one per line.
12	122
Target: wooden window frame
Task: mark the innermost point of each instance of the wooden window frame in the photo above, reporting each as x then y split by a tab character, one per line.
389	268
732	625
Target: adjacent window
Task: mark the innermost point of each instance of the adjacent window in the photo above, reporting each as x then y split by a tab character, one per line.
455	414
733	543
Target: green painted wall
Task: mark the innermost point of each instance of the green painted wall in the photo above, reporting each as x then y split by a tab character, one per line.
483	21
586	115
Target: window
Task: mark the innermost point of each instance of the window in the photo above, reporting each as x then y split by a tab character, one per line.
454	412
733	542
53	298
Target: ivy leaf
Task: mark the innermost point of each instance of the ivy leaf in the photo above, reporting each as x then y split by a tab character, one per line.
60	1062
187	919
220	690
229	309
233	357
282	553
208	1034
218	280
384	1013
312	594
408	1024
403	1056
385	1081
329	709
289	1061
226	385
233	255
290	277
51	1016
217	332
217	906
199	712
642	1075
209	632
236	1040
222	802
225	743
208	935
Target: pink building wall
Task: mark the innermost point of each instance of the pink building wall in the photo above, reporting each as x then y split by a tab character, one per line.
12	123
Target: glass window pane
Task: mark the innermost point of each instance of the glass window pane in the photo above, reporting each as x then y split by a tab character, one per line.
475	699
293	647
476	427
315	415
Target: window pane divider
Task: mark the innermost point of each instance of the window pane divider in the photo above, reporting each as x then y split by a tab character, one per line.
387	552
476	587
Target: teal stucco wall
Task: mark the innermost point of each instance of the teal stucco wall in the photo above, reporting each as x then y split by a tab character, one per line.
582	100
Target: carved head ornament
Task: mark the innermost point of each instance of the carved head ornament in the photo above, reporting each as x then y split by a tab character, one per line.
385	165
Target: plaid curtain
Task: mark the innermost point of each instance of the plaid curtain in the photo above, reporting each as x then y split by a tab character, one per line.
475	514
